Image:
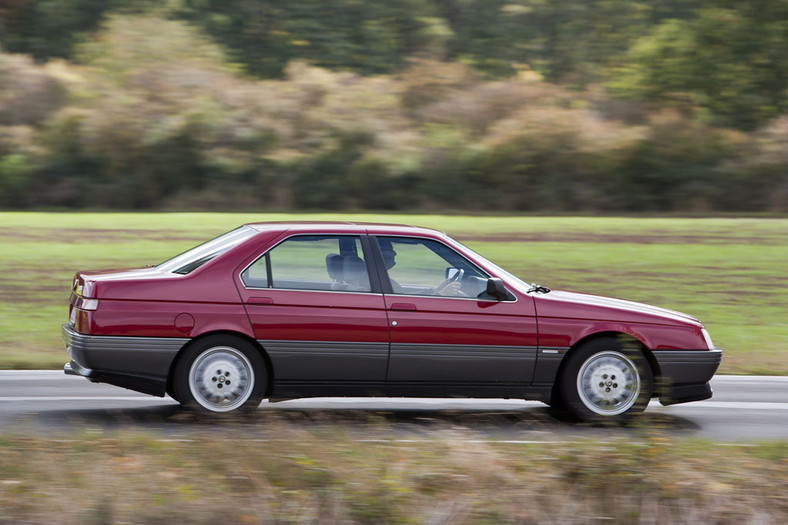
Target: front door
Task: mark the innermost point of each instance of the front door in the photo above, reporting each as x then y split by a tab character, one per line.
444	329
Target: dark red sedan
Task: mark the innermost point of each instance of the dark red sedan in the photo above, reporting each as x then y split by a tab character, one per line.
286	310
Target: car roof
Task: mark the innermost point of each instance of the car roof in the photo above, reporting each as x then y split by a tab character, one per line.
343	227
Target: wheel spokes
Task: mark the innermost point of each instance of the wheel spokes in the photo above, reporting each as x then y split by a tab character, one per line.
608	383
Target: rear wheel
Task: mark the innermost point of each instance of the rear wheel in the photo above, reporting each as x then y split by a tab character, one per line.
606	380
220	374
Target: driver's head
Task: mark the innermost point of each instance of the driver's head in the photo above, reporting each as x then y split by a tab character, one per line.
388	253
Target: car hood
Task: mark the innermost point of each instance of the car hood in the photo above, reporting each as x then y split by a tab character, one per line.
585	306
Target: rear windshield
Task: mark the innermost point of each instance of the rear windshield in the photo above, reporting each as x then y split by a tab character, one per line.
199	255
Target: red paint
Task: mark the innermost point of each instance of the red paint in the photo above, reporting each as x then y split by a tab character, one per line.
149	302
184	323
439	320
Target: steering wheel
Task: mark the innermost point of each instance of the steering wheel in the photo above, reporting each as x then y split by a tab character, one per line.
456	278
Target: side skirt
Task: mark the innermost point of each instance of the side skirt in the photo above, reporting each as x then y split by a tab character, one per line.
298	389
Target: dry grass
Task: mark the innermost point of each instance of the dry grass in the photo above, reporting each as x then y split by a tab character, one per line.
325	476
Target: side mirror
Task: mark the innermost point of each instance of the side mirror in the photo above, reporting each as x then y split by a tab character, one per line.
495	288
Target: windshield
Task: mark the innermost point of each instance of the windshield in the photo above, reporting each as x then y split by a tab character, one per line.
199	255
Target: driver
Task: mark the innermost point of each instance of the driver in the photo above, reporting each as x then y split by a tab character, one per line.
448	288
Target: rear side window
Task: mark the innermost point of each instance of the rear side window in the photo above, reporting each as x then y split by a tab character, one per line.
312	262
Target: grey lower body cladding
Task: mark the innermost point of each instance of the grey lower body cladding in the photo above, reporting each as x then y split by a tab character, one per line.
320	368
684	375
137	363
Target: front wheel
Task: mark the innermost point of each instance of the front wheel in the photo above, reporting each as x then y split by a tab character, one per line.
220	374
606	380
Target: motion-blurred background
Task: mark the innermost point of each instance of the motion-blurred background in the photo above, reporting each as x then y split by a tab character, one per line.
512	125
491	105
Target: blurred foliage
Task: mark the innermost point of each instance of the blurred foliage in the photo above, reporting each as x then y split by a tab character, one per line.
605	105
50	28
729	60
286	465
367	37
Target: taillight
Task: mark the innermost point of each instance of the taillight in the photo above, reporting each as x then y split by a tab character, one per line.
87	304
83	288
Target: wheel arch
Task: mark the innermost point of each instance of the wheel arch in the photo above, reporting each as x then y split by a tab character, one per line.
240	335
628	339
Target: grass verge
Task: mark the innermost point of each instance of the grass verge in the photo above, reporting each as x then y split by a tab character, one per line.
326	477
729	272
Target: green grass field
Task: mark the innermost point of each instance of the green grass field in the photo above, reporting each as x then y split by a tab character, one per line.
729	272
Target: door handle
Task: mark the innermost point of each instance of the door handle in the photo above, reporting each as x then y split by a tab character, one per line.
260	300
403	306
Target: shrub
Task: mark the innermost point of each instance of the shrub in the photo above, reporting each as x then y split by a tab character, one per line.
28	94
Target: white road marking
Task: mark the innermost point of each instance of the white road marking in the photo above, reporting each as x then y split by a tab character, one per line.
733	405
751	379
377	403
60	373
428	440
396	403
85	398
32	372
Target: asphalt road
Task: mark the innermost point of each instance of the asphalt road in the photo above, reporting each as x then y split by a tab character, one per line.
743	409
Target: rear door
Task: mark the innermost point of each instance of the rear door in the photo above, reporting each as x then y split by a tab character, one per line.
311	303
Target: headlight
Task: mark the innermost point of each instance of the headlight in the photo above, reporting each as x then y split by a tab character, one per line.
707	338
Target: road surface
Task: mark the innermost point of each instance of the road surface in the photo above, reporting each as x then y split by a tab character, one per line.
743	409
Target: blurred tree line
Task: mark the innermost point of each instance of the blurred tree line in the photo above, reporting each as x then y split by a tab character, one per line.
561	105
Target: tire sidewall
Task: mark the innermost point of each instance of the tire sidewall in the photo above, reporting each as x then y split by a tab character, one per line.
185	361
570	396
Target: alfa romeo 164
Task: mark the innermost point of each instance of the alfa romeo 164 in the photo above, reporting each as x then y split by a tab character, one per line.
289	310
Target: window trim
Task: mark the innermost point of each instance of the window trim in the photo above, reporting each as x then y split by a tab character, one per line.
268	272
374	283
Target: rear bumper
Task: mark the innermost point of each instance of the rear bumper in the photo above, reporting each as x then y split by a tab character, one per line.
137	363
684	375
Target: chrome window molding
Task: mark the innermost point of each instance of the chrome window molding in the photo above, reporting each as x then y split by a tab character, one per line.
311	291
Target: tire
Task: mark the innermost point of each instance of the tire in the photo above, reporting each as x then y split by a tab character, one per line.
606	380
220	374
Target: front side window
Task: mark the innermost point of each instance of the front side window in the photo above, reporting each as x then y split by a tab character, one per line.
312	262
426	267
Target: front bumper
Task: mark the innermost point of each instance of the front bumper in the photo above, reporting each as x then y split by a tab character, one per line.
137	363
684	374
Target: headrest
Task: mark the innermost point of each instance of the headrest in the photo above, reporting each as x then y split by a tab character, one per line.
354	264
355	270
334	266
